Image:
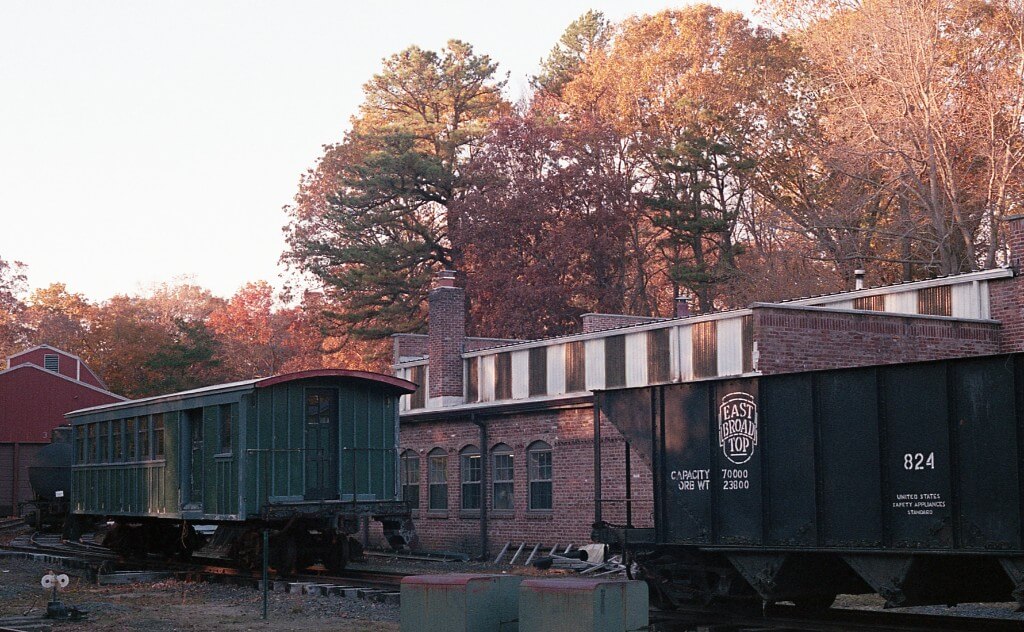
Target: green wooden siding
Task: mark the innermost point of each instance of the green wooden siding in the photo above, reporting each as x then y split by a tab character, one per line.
131	489
268	443
275	434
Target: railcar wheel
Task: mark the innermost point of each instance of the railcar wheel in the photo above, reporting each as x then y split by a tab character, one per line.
659	599
127	541
73	528
285	555
337	555
247	550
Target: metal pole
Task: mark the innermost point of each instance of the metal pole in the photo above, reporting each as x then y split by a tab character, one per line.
597	459
484	470
266	563
629	489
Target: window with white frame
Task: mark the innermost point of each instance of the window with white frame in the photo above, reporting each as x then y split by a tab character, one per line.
503	472
539	474
410	477
471	472
437	480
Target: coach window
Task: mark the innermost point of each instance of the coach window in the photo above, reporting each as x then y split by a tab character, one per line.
115	439
129	440
470	473
538	460
102	446
502	475
226	419
80	444
410	477
143	429
158	436
437	480
90	443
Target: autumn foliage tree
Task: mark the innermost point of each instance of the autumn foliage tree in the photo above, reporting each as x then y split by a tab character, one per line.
546	228
372	223
12	284
59	318
919	110
691	93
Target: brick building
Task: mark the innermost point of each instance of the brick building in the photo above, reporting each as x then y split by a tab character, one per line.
37	387
499	445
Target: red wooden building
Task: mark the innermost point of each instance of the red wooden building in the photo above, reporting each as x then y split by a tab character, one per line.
37	387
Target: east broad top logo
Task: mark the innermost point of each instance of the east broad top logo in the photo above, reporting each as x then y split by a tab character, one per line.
737	427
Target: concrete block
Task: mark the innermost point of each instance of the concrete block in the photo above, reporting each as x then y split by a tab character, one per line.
460	603
583	605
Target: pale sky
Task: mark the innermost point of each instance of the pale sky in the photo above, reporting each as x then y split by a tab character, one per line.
144	141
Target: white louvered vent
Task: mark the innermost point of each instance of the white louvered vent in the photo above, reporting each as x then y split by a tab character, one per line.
51	362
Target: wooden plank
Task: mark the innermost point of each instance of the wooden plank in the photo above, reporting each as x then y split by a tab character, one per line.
520	374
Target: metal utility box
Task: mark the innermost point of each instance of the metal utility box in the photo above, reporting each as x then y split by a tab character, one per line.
460	603
582	605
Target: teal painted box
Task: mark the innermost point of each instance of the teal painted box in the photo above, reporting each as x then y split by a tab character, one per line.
583	605
460	603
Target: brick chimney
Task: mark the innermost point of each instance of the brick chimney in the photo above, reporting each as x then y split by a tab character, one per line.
682	306
1014	227
1006	296
446	340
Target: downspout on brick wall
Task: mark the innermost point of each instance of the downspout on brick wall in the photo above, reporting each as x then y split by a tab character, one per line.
484	452
446	340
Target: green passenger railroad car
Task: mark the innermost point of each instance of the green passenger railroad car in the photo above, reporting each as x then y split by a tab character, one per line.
305	454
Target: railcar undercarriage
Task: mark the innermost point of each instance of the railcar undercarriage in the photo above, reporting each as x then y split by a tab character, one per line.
811	579
295	542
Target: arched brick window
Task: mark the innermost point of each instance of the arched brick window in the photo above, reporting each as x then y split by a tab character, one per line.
437	480
471	476
409	474
539	473
502	476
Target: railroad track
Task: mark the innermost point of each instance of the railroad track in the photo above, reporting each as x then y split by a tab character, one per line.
108	567
10	524
781	618
38	542
384	586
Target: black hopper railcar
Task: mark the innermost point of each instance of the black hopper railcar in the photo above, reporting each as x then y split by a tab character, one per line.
50	478
307	455
902	480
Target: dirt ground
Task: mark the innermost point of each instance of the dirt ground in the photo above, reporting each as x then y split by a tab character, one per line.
173	605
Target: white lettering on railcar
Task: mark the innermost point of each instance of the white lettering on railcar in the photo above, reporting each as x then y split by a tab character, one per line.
735	479
919	461
919	504
737	427
691	480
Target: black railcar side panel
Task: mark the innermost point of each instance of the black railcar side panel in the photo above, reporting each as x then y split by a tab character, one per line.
633	409
789	447
687	459
917	449
988	453
849	458
903	480
920	456
736	477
